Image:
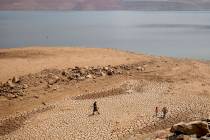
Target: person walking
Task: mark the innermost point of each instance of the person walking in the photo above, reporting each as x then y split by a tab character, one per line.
95	108
165	111
156	111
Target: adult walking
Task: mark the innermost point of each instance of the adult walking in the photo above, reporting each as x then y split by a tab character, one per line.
95	108
165	111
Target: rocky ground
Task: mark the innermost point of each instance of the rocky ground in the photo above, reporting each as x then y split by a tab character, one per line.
57	103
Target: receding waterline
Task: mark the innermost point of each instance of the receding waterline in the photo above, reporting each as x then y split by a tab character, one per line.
178	34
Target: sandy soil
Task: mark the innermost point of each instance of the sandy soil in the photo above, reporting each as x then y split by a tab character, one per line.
181	85
21	61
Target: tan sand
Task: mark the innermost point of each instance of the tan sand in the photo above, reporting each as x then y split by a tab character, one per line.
21	61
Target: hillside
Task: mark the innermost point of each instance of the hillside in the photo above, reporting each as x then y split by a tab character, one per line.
105	5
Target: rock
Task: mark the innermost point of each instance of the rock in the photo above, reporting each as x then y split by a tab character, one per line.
20	94
110	72
64	73
10	84
35	96
49	86
53	79
55	88
89	76
183	137
103	74
76	68
74	76
11	96
25	86
106	68
199	128
119	72
140	68
82	71
81	78
15	79
44	103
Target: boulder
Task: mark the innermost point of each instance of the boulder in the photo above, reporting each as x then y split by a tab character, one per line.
199	128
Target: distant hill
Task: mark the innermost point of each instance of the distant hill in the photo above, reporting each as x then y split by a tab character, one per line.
104	4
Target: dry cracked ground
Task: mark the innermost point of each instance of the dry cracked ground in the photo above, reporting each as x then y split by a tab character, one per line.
126	96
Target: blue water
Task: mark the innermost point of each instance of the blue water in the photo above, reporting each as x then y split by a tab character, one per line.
179	34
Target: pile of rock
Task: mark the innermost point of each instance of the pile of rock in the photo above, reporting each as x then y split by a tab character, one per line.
47	78
81	73
197	130
12	88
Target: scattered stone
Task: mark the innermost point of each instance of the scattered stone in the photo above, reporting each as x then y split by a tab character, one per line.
140	68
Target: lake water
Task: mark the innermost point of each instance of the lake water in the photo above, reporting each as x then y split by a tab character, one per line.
179	34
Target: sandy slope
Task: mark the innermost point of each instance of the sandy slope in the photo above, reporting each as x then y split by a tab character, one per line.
181	85
21	61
